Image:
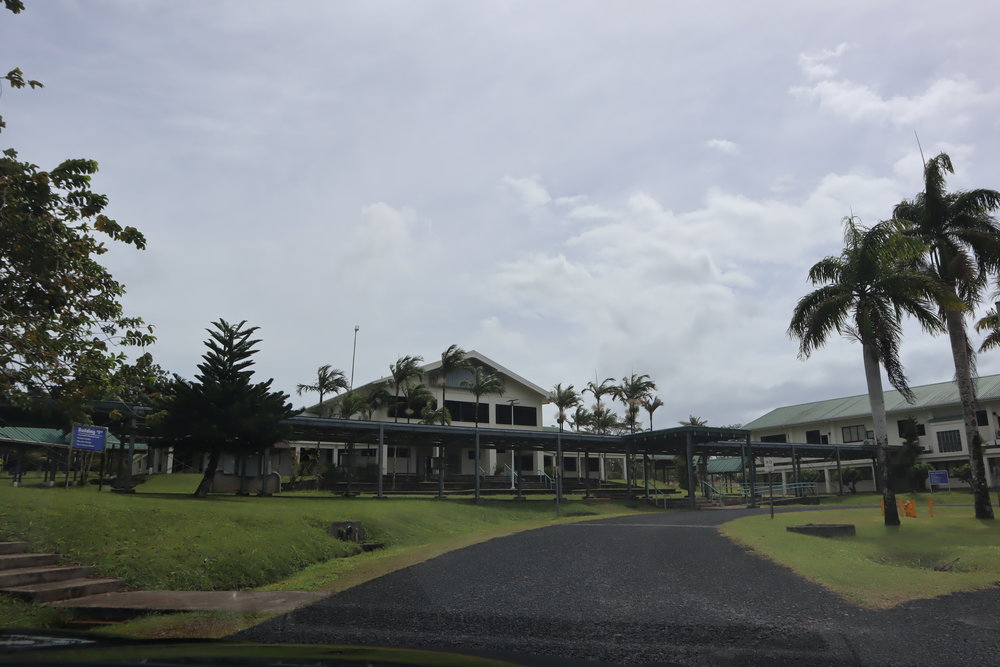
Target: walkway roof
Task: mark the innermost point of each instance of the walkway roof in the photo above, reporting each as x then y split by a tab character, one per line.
705	440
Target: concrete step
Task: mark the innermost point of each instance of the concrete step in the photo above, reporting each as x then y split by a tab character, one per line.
13	547
63	590
14	561
24	576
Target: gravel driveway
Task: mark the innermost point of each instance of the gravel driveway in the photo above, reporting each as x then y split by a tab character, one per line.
661	588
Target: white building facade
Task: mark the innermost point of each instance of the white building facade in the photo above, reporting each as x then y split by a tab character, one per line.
936	410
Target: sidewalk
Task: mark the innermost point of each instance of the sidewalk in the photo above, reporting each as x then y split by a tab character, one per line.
133	602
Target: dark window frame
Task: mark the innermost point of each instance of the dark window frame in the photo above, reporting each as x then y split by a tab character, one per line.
855	433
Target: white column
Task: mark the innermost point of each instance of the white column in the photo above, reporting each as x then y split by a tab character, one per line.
826	480
784	483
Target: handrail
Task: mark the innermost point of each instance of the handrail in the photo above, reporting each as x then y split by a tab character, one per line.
549	481
660	495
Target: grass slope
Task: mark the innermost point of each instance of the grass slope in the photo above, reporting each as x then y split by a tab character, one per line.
880	568
161	538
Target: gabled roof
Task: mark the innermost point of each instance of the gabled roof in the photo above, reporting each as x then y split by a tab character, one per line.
941	394
473	355
434	365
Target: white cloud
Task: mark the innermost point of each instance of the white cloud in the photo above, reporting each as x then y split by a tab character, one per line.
593	212
723	146
531	193
815	65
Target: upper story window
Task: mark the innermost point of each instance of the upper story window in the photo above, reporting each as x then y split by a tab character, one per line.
949	441
854	433
523	415
982	419
774	438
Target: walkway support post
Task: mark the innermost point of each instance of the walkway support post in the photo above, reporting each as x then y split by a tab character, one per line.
840	480
795	472
586	473
440	461
628	475
645	472
752	467
476	471
558	469
381	458
519	474
689	455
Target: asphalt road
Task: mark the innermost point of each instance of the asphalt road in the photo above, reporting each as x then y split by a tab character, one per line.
649	589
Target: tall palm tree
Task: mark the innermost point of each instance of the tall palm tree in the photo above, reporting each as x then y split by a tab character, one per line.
990	325
649	404
482	384
963	244
376	397
605	388
329	380
603	421
452	359
863	293
406	368
632	391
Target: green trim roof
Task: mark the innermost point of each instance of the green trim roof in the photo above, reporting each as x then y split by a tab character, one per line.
927	396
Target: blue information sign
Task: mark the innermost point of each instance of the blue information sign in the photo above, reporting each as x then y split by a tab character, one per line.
91	438
938	477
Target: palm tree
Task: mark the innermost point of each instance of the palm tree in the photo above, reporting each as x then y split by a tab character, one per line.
632	392
603	420
376	397
452	359
693	421
605	388
990	324
406	368
863	292
581	418
350	404
963	244
649	404
564	399
483	383
329	380
416	395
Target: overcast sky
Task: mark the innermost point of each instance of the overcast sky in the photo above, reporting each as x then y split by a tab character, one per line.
571	188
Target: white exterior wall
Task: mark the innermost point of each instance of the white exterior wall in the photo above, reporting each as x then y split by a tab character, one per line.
935	420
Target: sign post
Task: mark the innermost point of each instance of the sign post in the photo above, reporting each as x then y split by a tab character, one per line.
91	439
938	478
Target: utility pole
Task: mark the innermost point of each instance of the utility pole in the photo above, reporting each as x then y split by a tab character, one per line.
354	355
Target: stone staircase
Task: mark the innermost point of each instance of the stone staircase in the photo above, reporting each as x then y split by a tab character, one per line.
38	578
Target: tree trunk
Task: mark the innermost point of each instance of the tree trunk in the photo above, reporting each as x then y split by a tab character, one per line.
955	321
206	481
876	399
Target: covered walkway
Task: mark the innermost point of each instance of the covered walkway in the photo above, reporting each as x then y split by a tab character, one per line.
687	441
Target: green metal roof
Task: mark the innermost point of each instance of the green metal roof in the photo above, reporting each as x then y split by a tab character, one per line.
927	396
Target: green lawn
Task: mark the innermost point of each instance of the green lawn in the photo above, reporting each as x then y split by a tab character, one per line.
880	568
963	497
161	538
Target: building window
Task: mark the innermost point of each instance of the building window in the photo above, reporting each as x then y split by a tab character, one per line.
813	438
527	460
853	433
981	418
465	411
501	451
546	461
949	441
523	415
774	438
399	452
471	455
902	426
569	464
594	464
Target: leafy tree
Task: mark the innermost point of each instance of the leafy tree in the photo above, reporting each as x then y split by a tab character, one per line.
452	360
224	411
375	398
693	421
405	369
963	473
851	477
603	421
650	404
863	293
431	415
633	390
963	246
329	380
482	384
920	472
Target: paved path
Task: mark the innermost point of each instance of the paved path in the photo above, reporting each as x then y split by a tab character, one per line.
649	589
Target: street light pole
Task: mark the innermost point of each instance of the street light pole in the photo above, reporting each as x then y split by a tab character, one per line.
512	401
354	354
